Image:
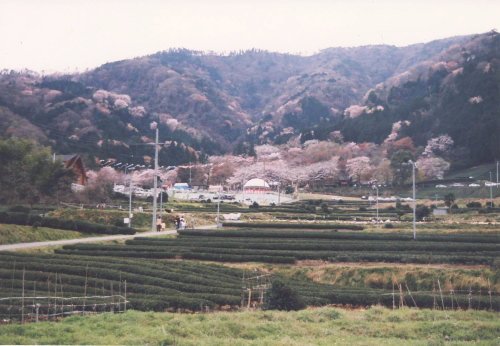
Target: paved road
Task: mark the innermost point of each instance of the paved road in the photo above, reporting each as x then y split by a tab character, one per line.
23	246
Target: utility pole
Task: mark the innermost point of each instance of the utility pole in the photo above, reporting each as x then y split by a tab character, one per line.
414	203
190	174
129	199
375	186
155	185
218	208
413	167
161	202
279	192
497	174
491	192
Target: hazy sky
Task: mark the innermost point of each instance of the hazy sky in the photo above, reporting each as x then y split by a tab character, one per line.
66	35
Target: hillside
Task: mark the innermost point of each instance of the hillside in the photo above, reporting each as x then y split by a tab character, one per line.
71	117
208	104
458	94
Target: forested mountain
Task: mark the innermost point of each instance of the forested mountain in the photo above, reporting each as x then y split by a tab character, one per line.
457	94
207	103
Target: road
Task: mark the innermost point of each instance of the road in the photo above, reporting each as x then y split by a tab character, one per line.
24	246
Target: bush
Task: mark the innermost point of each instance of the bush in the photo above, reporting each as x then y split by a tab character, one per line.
254	205
388	225
362	209
324	208
474	205
282	297
422	211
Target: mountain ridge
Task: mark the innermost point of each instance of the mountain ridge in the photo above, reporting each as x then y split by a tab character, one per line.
211	104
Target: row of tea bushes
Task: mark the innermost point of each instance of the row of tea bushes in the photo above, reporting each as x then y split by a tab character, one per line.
327	226
26	219
275	246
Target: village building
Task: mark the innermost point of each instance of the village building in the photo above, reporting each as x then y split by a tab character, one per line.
74	163
256	185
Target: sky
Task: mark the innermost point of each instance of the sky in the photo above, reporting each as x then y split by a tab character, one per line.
74	35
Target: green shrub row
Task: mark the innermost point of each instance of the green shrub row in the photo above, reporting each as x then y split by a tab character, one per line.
188	269
137	284
152	295
50	222
289	256
221	257
161	278
335	217
251	233
186	253
292	225
299	244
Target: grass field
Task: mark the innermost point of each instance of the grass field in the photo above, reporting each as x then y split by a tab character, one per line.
321	326
382	275
12	234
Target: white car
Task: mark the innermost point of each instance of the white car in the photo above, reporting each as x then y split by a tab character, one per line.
489	183
474	185
457	185
440	186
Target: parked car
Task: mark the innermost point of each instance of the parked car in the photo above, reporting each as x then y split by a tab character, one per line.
440	186
489	183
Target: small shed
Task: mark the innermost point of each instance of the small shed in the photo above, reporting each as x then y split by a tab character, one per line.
215	188
440	211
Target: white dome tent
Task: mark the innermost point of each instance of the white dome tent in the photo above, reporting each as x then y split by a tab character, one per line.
256	185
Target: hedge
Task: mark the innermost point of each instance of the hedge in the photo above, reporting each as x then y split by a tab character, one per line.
293	225
300	244
277	234
73	225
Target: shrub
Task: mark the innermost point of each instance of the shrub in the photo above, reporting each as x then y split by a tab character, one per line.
449	199
282	297
422	211
474	205
362	209
324	208
254	205
388	225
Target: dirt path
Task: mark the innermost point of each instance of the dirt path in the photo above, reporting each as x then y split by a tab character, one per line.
24	246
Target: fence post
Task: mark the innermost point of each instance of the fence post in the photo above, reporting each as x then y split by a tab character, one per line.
22	299
469	297
125	306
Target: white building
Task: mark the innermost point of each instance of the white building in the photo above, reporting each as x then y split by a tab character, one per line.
256	185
